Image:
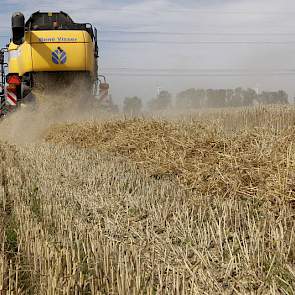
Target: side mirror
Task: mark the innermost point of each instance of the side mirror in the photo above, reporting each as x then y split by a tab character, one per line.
1	57
18	28
95	40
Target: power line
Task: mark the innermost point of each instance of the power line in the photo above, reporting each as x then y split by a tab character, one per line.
163	10
246	42
197	75
187	33
228	42
197	42
198	70
173	33
199	33
192	33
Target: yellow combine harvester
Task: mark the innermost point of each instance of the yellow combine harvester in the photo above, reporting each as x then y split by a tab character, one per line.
50	52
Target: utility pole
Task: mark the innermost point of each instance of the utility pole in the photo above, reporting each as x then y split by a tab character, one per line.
257	89
159	89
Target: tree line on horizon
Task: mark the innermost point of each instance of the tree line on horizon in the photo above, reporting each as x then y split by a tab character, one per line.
206	98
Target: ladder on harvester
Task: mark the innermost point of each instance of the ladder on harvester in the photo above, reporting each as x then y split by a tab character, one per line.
3	65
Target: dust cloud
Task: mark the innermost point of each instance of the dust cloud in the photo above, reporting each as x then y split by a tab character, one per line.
29	122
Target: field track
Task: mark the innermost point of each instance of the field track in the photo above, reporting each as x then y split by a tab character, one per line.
195	204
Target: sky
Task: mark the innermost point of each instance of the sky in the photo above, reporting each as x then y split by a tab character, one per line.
175	45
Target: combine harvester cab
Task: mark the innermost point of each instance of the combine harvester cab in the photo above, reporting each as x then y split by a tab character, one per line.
49	52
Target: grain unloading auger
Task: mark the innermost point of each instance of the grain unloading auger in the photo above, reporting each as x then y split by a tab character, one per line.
49	54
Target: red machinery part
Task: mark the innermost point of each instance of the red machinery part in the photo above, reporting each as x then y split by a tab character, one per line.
14	79
11	95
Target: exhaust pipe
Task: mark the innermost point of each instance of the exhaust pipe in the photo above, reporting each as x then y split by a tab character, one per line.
18	28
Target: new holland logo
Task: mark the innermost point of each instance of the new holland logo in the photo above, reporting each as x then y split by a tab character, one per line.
59	56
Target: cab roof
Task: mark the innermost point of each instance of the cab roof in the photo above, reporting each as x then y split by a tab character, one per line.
44	21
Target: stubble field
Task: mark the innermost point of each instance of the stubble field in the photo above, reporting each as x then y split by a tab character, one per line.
200	203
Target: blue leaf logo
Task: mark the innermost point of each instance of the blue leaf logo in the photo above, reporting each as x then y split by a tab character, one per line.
59	56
